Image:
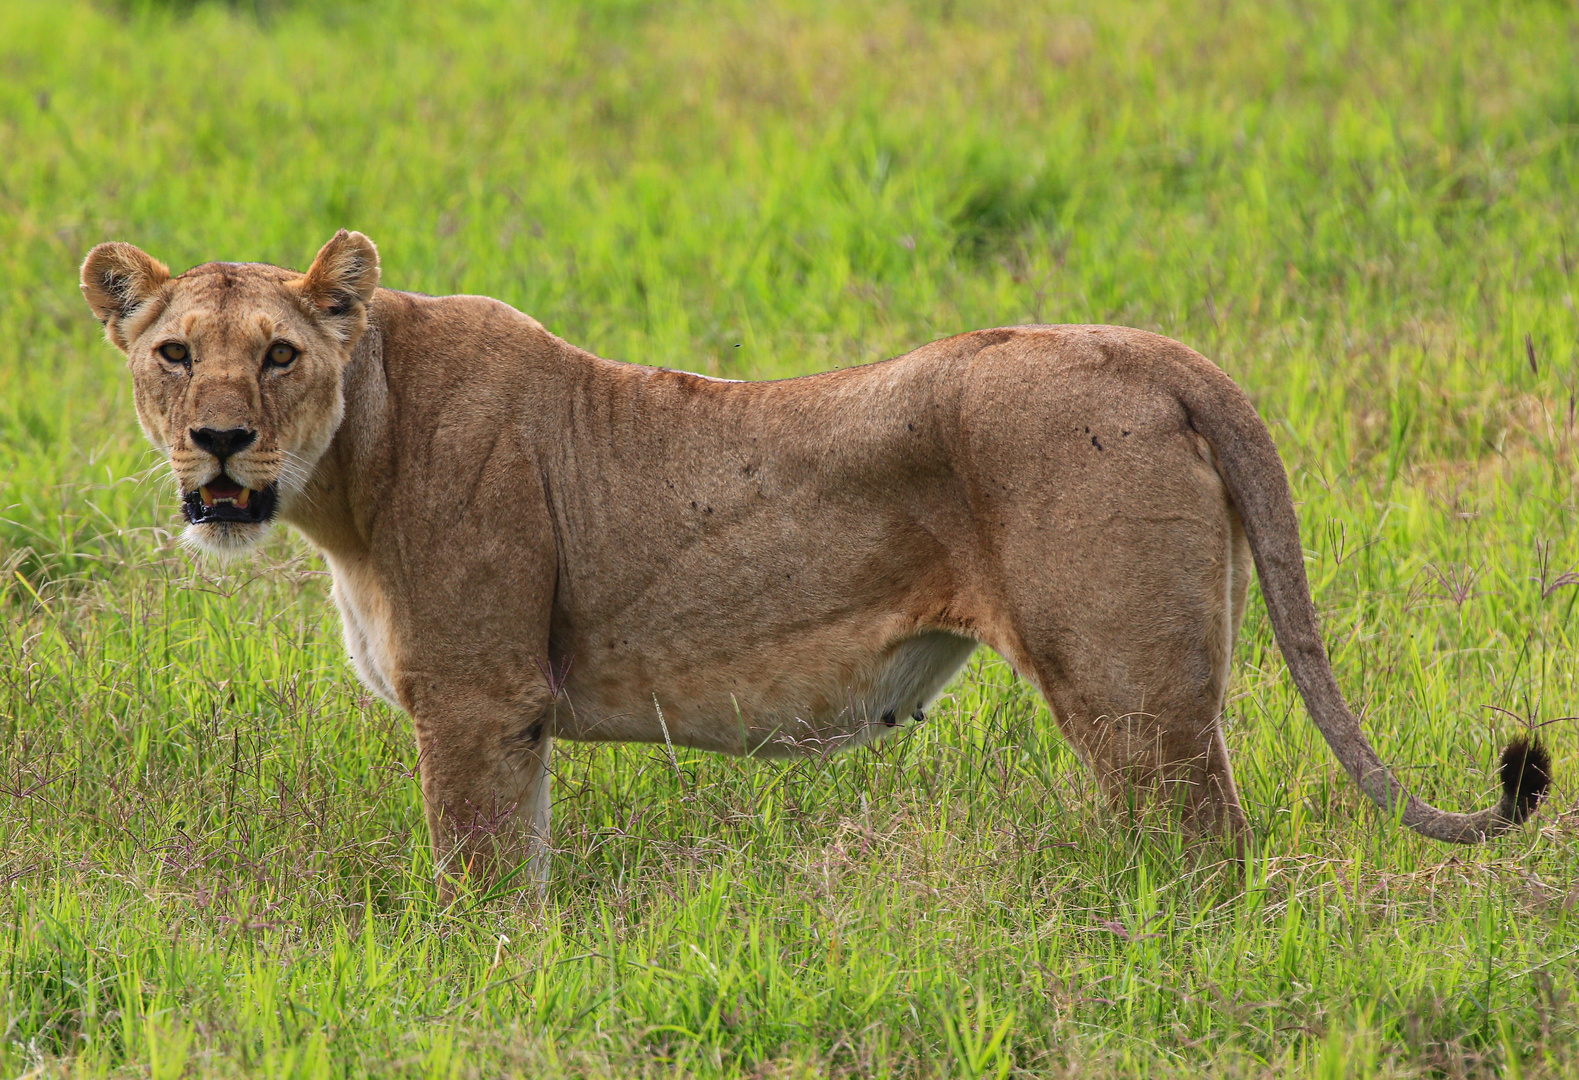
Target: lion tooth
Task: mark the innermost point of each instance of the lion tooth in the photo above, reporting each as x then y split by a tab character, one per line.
241	500
208	500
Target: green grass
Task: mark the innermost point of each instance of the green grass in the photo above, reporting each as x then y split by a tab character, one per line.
212	857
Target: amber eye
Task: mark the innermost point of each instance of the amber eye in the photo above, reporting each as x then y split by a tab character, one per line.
281	355
175	352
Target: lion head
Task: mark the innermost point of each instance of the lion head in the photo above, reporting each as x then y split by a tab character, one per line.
236	371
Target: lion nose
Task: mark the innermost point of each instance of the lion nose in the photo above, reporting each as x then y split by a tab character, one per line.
223	443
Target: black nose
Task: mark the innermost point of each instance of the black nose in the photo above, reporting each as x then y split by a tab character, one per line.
223	443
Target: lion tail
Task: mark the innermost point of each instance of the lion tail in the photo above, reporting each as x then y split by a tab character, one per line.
1253	472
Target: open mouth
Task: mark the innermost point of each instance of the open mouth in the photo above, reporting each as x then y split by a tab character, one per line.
222	499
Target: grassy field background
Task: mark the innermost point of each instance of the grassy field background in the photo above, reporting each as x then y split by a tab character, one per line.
212	857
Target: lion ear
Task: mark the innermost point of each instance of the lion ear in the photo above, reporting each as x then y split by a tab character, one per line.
342	278
117	279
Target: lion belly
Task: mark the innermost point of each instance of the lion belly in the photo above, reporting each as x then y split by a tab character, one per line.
904	683
778	714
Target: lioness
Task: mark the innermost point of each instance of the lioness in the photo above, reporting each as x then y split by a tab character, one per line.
530	542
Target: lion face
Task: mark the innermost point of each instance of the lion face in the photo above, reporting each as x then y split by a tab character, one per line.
236	371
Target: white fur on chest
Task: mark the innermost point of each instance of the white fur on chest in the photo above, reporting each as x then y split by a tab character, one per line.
369	631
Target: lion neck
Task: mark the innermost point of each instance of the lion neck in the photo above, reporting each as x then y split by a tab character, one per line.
337	508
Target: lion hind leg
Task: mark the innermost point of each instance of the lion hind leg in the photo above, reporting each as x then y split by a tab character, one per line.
1132	654
1147	722
1168	754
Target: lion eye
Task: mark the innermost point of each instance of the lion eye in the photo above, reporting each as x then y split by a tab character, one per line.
282	355
175	352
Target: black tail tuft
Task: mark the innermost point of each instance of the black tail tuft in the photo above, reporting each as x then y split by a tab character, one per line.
1526	773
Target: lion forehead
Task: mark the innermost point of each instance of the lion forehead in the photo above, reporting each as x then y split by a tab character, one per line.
244	311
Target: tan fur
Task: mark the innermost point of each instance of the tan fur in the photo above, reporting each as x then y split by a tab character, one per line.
530	542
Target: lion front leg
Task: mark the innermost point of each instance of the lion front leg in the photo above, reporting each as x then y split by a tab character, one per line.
486	792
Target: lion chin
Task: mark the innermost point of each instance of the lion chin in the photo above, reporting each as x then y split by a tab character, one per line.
224	541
